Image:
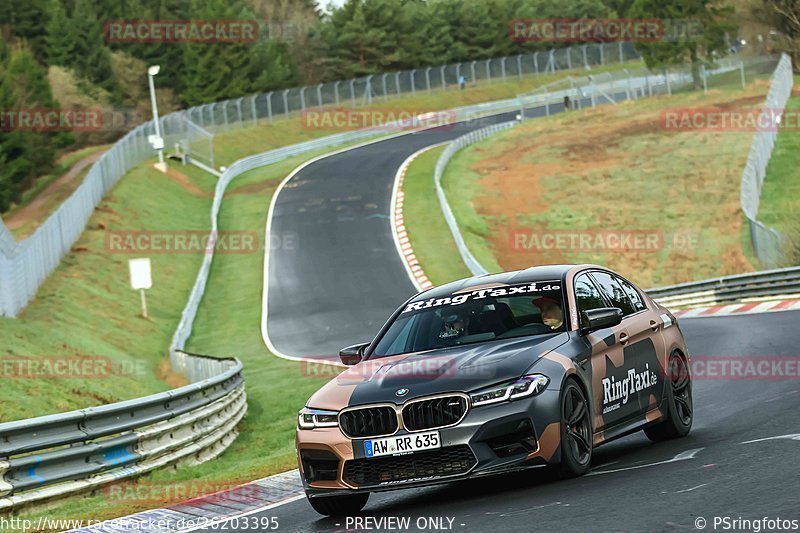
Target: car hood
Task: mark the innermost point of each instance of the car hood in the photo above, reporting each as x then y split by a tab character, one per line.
459	368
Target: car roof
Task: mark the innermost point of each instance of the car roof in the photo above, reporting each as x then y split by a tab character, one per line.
537	273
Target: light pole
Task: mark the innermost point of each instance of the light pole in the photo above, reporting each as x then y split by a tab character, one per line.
157	141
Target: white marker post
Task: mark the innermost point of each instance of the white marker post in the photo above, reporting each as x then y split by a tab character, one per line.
141	278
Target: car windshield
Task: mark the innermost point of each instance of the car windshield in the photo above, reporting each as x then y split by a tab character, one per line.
474	315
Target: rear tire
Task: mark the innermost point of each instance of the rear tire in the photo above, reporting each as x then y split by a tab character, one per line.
348	504
680	409
576	431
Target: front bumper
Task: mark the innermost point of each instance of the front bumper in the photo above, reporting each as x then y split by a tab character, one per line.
491	439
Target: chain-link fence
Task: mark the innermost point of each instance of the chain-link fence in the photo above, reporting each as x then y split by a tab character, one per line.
25	265
769	245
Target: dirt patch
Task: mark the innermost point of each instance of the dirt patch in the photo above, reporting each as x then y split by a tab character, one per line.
616	171
165	373
185	181
37	211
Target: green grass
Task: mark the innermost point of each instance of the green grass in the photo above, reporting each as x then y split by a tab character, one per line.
426	226
780	195
687	185
228	323
86	307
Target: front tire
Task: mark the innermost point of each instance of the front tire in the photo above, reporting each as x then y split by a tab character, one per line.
680	408
576	431
348	504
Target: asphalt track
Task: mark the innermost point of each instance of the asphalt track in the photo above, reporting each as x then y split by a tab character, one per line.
722	475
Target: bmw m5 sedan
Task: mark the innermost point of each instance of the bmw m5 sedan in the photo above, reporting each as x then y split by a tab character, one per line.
493	374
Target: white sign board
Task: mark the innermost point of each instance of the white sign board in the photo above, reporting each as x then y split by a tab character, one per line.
156	141
140	273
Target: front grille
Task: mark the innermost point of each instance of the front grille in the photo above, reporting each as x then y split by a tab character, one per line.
368	422
436	463
434	413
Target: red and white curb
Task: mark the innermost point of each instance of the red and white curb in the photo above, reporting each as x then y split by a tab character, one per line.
401	240
739	309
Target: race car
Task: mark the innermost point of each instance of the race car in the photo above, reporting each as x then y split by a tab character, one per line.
492	374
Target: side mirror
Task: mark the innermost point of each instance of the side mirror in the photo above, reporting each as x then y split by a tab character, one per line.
352	355
604	317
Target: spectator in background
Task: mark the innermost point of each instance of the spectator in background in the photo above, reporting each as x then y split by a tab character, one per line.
462	82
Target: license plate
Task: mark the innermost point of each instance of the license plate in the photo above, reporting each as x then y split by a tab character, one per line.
402	444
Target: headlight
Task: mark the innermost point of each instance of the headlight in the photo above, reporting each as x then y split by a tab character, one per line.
521	388
316	418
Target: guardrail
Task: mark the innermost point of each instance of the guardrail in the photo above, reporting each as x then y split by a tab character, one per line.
755	286
473	264
71	453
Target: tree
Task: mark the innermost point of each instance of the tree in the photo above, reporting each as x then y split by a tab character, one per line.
695	47
784	16
60	40
92	58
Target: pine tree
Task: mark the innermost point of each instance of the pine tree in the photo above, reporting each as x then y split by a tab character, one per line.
92	59
60	39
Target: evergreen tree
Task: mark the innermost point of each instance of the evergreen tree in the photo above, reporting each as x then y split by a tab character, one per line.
60	39
91	59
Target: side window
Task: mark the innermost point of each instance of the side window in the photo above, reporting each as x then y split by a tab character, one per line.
587	296
614	292
633	294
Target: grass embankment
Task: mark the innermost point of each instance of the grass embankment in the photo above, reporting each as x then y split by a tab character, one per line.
613	169
780	195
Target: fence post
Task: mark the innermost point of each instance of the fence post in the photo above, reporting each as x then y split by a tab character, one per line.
319	95
669	86
286	102
536	62
621	55
254	110
336	91
397	81
444	81
428	79
368	89
225	113
472	70
302	98
269	106
519	66
503	67
585	61
569	58
383	84
602	54
413	76
741	70
353	92
704	75
239	110
488	71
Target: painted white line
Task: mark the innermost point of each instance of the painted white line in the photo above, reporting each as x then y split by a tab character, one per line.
790	436
265	290
683	456
691	489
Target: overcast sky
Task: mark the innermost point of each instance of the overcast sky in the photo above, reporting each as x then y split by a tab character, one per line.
326	3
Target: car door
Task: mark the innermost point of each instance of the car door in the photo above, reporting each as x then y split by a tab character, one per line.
635	384
604	345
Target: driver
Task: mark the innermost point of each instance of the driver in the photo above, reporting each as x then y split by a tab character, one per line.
551	311
454	326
